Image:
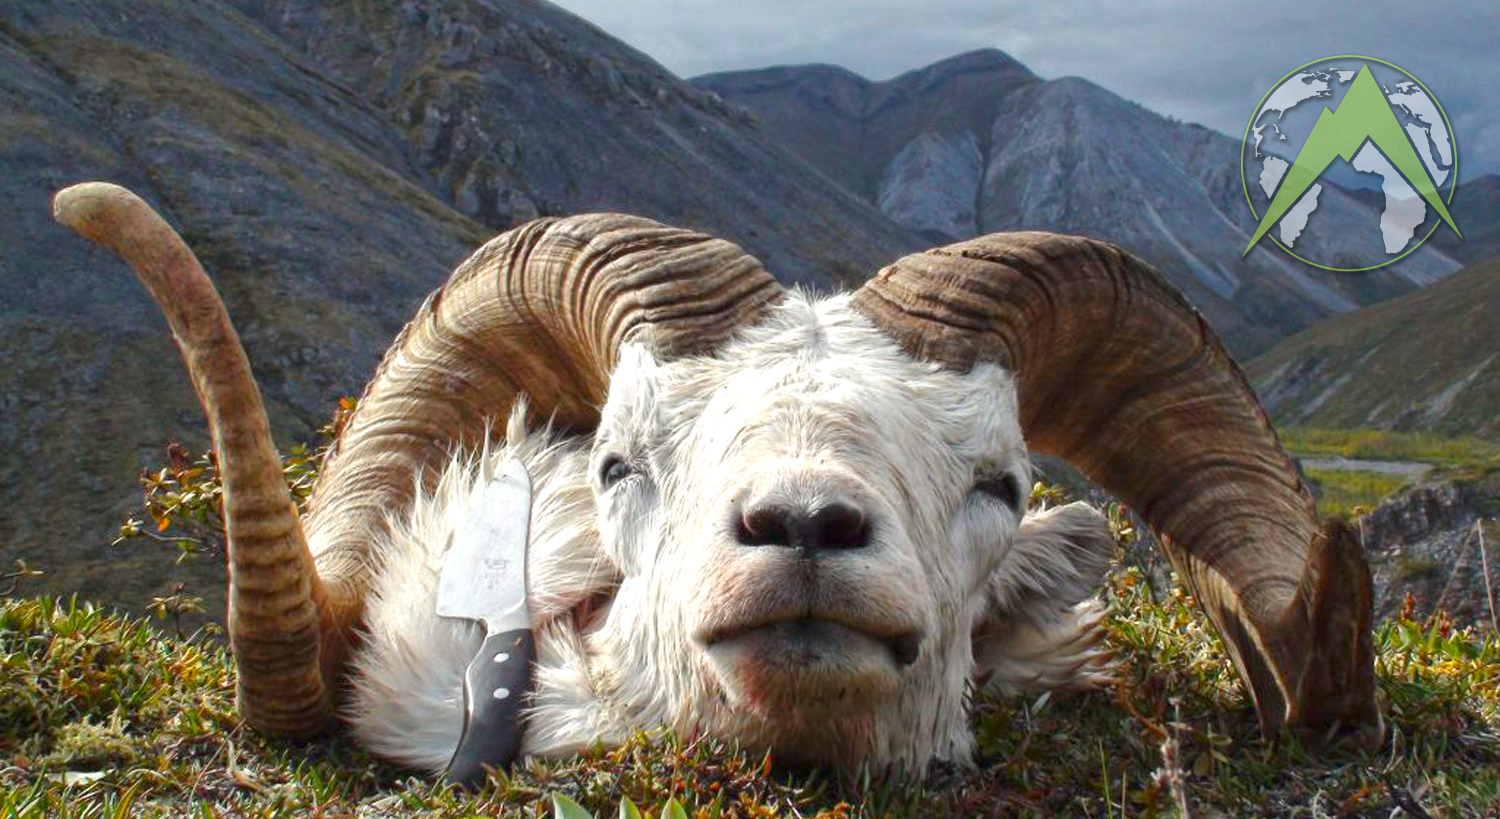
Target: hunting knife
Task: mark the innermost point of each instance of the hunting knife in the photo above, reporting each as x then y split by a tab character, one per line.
484	579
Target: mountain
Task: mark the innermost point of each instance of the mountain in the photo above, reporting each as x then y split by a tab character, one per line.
977	143
1429	361
1476	209
515	108
914	145
330	163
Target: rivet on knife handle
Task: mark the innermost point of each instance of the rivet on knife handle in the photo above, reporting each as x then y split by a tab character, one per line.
494	697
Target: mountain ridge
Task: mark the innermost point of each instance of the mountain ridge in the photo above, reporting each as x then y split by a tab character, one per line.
1019	152
329	177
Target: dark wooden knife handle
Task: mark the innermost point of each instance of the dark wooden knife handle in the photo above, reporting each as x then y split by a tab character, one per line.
495	688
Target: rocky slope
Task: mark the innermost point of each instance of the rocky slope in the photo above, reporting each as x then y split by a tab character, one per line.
1425	542
330	163
977	143
516	107
1428	361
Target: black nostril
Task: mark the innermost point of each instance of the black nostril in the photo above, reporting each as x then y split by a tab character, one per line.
835	526
840	526
765	526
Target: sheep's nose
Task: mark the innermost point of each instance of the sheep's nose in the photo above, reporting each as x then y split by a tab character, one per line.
836	525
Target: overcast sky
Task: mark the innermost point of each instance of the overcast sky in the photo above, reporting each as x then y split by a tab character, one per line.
1206	62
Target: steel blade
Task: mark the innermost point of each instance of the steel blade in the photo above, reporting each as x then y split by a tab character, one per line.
484	572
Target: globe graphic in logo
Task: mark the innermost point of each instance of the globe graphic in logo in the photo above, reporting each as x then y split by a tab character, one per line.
1356	127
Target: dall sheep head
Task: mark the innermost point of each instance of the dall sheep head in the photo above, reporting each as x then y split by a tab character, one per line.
806	500
808	529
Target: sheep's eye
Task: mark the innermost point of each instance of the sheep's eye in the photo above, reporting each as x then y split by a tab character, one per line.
613	470
1003	487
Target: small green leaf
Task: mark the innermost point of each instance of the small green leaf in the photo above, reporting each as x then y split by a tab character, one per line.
565	808
628	809
673	810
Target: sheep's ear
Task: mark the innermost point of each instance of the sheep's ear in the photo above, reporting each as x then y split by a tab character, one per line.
636	370
632	394
1057	559
1040	624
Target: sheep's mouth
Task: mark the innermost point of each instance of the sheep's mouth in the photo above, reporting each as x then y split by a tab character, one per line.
811	633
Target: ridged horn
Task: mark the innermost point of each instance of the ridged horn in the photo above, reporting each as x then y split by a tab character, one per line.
542	309
1117	374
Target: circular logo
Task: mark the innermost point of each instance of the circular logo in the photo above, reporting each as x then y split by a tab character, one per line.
1367	128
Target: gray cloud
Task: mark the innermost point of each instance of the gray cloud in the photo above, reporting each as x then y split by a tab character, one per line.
1200	62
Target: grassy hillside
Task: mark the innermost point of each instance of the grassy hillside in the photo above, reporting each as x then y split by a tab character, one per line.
102	716
1428	361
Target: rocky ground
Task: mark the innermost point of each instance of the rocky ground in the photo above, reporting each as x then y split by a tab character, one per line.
1425	542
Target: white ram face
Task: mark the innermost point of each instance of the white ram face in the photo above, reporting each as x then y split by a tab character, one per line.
807	525
847	643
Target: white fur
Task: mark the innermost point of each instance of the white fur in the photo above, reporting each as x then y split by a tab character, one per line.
811	400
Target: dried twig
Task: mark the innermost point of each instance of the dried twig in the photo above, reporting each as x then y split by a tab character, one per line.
1170	775
1484	563
1403	799
22	572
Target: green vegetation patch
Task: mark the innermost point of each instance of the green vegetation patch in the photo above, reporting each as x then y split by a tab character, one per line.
1389	445
101	715
1353	493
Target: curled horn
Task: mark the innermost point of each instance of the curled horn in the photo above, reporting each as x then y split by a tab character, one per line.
542	309
1119	375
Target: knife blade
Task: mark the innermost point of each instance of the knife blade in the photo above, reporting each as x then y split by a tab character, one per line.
484	579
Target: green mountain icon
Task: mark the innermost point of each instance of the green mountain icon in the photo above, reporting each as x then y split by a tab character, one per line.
1363	114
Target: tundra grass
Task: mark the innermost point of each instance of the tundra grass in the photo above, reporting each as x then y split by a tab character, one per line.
102	715
1389	445
1353	493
